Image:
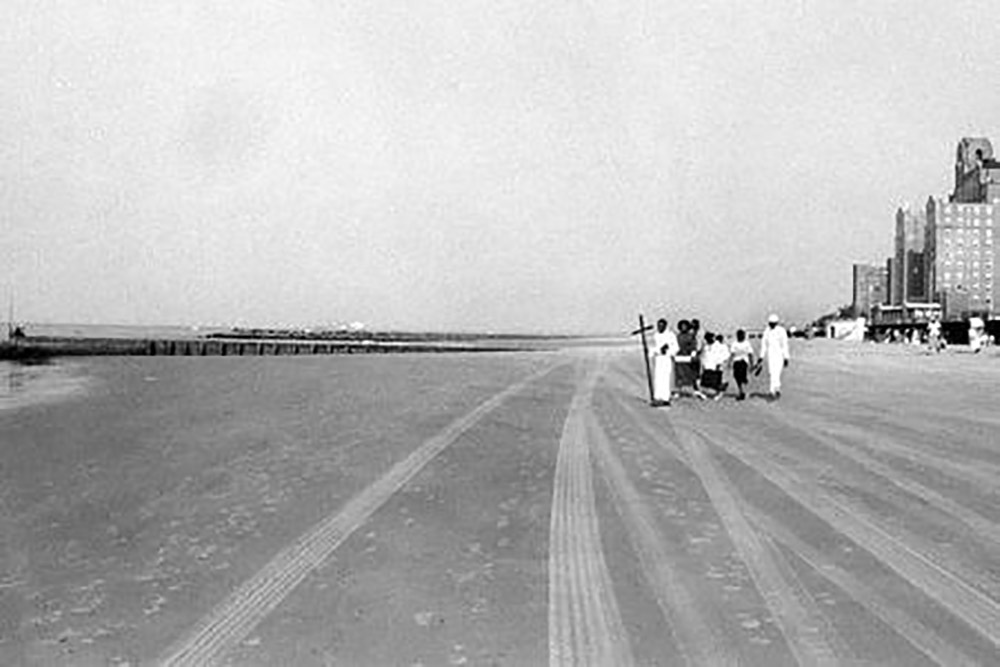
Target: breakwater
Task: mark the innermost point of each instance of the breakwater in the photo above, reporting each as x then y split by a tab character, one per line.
40	347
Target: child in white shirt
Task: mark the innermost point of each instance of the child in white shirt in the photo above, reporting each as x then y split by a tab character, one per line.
742	352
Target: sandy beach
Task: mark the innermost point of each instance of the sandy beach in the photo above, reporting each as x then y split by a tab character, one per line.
503	509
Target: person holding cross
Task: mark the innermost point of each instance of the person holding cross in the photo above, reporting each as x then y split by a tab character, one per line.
664	350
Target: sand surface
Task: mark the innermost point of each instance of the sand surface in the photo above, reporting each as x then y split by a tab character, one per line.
507	509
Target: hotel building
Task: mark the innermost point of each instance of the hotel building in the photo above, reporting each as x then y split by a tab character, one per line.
960	251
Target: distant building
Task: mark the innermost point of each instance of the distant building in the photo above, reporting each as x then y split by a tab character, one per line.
870	288
907	278
959	249
977	173
907	313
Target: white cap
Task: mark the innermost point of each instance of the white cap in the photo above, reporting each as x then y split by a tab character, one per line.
773	318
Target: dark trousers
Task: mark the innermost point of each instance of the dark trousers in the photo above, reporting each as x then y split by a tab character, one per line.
740	369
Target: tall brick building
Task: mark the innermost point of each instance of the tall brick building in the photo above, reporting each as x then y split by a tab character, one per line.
959	242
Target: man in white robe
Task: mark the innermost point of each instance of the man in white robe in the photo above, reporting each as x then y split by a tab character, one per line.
774	352
664	350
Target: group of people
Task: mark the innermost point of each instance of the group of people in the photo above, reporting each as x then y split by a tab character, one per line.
686	363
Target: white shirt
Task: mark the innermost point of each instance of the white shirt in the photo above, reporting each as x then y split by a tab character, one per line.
715	355
742	350
774	343
665	338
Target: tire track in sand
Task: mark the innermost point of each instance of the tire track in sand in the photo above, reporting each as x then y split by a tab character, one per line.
801	624
695	637
228	623
977	610
822	432
585	626
828	432
927	576
924	638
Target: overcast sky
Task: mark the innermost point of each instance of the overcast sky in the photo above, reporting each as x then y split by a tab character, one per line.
465	165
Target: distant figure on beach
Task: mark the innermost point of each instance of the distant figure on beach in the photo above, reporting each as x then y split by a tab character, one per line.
934	334
665	348
774	350
742	354
976	329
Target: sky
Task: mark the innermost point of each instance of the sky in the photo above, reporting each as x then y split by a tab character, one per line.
510	165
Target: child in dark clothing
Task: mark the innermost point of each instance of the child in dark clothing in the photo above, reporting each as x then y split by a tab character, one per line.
686	366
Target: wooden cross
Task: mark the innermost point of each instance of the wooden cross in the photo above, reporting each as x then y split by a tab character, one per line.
641	331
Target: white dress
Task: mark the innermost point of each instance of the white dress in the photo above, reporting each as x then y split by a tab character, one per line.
663	364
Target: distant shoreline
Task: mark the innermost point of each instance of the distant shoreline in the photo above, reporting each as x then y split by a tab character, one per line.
39	348
395	336
276	342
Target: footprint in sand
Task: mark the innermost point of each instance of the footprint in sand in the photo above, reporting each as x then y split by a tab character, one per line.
456	657
423	618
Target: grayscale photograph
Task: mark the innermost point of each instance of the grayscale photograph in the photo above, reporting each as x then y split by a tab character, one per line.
506	334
